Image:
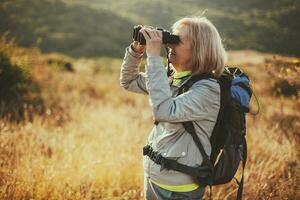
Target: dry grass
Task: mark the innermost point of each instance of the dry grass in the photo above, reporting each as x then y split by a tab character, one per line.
87	143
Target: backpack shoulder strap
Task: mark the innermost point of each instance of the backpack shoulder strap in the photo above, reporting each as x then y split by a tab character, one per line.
189	127
187	85
224	99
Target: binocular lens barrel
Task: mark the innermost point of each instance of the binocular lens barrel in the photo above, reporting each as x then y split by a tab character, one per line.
167	37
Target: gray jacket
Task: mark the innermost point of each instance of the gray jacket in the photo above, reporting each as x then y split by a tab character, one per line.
200	104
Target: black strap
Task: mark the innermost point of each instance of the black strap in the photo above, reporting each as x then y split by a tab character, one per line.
185	87
169	70
189	127
210	192
241	183
200	173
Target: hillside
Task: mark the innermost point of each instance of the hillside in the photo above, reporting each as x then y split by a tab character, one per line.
95	28
78	31
76	134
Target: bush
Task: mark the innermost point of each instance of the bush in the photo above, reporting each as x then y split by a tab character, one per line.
285	88
61	64
12	78
15	84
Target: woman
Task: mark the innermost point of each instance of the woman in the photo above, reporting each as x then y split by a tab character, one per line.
200	51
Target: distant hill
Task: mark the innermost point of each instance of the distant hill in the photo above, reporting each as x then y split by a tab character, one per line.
95	28
71	29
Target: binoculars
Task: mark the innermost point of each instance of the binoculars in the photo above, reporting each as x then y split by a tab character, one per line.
167	37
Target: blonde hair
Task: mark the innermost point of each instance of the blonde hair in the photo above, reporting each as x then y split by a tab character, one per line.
208	53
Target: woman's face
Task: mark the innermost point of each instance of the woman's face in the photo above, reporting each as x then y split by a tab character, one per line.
180	54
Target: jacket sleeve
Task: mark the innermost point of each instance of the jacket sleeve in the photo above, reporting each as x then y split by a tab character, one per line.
199	102
130	77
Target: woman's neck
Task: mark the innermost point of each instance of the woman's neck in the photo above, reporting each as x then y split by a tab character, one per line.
181	69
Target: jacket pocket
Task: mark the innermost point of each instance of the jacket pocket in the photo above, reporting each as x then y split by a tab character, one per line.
176	151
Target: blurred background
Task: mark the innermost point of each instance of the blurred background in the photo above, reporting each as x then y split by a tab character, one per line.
69	131
94	28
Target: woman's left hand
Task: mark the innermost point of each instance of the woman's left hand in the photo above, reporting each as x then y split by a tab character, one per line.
153	41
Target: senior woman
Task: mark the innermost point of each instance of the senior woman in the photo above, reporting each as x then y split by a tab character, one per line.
200	51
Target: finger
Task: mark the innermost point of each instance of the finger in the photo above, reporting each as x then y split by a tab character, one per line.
141	45
157	35
138	44
150	33
145	34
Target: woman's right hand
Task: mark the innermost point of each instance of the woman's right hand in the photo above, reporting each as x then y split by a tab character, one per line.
137	47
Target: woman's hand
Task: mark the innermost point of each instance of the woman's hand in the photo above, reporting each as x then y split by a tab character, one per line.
137	47
153	41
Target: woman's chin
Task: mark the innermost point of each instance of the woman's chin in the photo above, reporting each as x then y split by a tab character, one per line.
171	61
171	58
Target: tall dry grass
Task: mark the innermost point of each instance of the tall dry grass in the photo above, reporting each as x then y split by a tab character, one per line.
87	143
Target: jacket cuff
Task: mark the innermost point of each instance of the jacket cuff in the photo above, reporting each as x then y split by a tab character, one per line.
133	53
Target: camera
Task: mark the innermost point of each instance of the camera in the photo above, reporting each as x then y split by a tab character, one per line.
167	37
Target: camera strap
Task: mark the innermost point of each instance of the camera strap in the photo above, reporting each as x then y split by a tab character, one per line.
169	70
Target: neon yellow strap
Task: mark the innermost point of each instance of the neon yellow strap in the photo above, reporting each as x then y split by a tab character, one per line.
177	188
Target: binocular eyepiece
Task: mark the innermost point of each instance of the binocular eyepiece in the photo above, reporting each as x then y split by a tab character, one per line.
167	37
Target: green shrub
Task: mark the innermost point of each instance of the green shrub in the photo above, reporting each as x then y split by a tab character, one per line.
12	78
16	87
285	88
61	64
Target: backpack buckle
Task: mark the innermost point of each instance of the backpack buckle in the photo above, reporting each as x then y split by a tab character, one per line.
158	158
146	150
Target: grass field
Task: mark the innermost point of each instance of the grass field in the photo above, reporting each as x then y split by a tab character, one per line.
83	138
